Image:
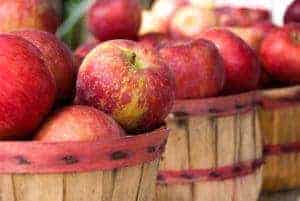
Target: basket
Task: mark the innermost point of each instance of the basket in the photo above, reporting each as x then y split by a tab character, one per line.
214	151
118	170
281	132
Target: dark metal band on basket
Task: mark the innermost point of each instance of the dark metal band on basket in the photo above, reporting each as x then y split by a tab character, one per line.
61	157
217	174
282	149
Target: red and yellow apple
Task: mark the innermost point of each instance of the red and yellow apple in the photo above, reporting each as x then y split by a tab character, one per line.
58	58
280	54
197	66
27	88
190	21
127	81
114	19
35	14
79	123
241	63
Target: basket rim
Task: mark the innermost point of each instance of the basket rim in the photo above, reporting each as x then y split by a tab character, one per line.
217	106
63	157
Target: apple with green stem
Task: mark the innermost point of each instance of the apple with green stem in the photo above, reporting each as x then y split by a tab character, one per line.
129	82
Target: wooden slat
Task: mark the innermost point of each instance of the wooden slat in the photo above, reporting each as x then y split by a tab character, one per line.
176	157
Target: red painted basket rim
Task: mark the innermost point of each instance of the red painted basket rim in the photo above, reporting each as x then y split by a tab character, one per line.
280	97
62	157
223	105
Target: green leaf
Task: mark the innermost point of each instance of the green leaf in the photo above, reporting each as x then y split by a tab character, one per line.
71	29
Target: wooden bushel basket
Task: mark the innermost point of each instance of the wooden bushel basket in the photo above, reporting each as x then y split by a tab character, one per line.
280	127
214	151
118	170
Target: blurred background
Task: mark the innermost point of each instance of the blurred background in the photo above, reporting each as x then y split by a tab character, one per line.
73	33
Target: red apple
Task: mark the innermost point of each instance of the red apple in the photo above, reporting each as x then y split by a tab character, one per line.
154	40
197	67
241	64
189	21
27	87
114	19
241	16
253	35
82	51
280	54
292	14
58	58
129	82
79	123
20	14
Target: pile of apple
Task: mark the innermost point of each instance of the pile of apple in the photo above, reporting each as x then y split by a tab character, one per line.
211	51
121	87
126	80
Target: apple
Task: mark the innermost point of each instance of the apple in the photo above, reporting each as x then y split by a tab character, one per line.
114	19
129	82
189	21
79	123
280	54
82	51
163	10
155	40
197	66
58	58
27	88
35	14
292	14
241	63
253	35
241	16
151	23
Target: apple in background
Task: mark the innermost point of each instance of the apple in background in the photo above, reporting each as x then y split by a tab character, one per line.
79	123
151	23
241	63
82	51
27	88
163	10
129	82
35	14
58	58
155	40
253	35
241	16
292	14
280	54
114	19
189	21
197	66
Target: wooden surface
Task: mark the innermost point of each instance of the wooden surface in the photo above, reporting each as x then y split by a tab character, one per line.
208	141
127	184
293	195
280	117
